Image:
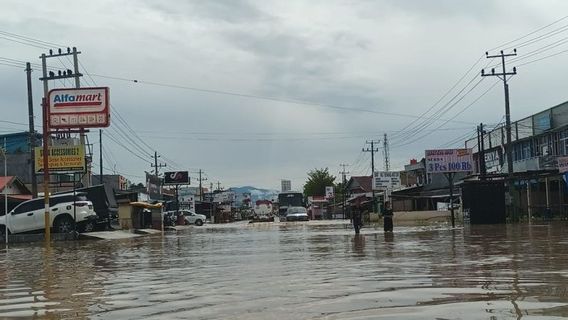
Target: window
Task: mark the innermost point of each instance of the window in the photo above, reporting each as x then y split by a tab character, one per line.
29	206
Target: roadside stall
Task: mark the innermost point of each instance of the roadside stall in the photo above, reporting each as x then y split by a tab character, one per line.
140	215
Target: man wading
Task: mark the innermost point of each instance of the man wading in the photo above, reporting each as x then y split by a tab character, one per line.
357	217
387	216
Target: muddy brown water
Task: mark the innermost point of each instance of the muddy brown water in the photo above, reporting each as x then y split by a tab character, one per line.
313	270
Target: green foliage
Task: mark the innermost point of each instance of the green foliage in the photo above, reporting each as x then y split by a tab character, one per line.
318	179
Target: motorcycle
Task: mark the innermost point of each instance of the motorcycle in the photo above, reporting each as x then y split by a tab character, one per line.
170	218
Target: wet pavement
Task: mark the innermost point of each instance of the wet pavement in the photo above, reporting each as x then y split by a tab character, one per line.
312	270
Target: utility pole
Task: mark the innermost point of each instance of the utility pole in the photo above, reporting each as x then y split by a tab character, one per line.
201	185
46	129
503	76
101	169
344	189
32	129
218	185
101	156
372	150
481	153
386	152
157	167
46	143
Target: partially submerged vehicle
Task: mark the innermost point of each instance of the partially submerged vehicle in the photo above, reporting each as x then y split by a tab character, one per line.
262	211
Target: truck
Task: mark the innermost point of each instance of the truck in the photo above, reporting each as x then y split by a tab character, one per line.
289	199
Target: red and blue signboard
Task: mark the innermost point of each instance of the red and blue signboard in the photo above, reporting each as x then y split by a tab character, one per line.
71	108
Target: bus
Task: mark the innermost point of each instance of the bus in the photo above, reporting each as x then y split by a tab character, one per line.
289	199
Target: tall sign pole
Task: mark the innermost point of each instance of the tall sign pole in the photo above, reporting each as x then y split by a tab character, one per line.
68	109
45	149
448	162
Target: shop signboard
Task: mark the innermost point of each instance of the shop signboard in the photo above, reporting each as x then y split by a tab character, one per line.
176	177
187	202
449	160
562	164
386	180
62	159
78	108
224	197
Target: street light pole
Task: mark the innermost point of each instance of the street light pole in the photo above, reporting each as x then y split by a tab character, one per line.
6	189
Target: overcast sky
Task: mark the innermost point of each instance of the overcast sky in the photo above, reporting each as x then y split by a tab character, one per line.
363	68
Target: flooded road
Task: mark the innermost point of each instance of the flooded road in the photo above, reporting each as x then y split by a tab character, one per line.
313	270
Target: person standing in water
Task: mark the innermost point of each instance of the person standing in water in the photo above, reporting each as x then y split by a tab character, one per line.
387	217
357	220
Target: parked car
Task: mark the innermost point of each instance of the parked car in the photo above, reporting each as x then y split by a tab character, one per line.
193	218
104	203
296	214
29	215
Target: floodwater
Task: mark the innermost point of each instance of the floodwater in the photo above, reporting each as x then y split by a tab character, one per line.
312	270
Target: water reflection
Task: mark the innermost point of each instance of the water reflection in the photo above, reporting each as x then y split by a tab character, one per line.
359	245
294	271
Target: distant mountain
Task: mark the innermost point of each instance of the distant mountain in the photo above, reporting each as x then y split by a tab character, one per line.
255	193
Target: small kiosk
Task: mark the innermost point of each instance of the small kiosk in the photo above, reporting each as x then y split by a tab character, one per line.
140	215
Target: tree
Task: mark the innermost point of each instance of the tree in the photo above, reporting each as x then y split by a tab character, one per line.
318	179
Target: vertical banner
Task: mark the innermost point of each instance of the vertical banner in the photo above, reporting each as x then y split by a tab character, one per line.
329	194
562	164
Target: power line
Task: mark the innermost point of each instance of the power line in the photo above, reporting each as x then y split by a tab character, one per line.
543	58
444	95
460	112
252	96
125	135
527	35
447	107
442	110
126	148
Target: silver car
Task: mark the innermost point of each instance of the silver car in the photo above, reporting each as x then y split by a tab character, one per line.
297	214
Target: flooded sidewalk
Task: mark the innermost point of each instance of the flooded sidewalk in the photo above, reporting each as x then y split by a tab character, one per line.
294	270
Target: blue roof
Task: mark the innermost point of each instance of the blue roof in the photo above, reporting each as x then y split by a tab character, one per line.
18	142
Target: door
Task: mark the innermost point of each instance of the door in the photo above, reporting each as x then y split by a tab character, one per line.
23	217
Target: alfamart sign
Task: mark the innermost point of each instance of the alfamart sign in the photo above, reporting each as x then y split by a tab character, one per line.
449	160
79	108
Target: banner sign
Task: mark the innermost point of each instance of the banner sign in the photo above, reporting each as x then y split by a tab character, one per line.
62	159
187	202
449	160
562	164
78	108
224	197
386	180
286	185
176	177
329	192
